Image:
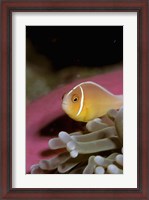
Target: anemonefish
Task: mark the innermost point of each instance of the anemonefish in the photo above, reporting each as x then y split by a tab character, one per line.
88	100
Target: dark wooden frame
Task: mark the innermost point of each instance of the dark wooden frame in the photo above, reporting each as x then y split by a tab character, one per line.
142	9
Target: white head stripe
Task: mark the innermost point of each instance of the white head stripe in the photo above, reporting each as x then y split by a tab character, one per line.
81	102
99	86
90	82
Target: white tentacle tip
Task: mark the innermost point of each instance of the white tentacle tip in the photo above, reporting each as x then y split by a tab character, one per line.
43	164
99	170
64	137
97	120
113	169
71	146
99	160
51	144
74	153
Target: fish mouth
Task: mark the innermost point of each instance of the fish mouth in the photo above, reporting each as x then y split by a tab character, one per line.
64	106
64	103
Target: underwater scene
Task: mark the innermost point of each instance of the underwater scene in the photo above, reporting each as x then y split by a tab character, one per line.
74	99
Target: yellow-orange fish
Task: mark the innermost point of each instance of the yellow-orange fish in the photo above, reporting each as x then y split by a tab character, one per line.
89	100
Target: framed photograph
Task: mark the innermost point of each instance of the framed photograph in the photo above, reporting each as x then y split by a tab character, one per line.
74	99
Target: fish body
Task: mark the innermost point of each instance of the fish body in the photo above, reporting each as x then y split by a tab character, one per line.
89	100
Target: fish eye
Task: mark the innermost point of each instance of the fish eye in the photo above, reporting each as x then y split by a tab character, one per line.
75	98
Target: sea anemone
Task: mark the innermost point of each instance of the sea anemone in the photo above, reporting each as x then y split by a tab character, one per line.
97	150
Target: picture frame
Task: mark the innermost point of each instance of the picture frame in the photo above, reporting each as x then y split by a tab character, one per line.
142	9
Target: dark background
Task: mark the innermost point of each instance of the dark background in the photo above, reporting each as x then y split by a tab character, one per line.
57	55
74	45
